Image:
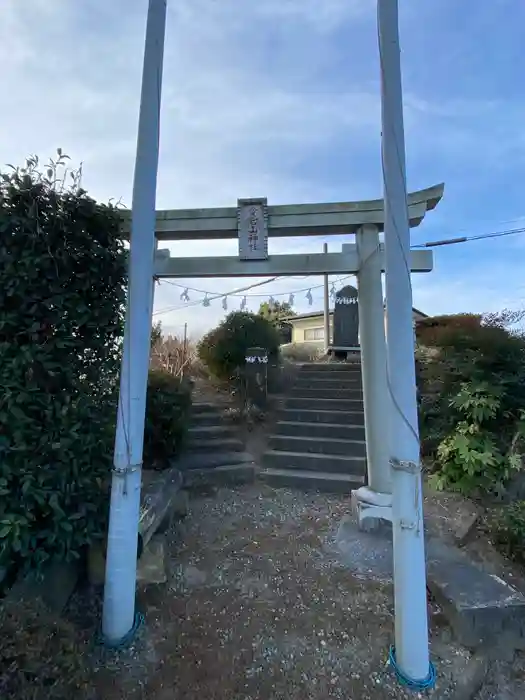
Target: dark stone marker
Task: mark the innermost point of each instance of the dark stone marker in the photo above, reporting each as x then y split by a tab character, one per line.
285	333
346	318
256	376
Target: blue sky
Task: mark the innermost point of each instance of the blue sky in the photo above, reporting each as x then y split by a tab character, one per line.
280	98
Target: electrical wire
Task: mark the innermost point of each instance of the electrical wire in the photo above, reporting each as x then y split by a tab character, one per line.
467	239
210	296
237	292
401	165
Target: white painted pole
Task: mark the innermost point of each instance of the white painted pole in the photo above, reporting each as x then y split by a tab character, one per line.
411	623
326	308
121	565
373	361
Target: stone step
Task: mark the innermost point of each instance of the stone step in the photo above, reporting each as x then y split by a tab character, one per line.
304	461
212	419
200	408
216	444
324	382
329	376
210	460
352	405
320	430
308	480
298	392
313	415
225	474
318	445
206	432
324	367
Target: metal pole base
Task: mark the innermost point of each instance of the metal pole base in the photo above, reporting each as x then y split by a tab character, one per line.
372	508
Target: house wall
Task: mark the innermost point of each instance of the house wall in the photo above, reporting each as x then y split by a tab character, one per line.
301	325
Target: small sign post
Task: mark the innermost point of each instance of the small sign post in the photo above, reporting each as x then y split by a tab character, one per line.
346	318
252	226
256	376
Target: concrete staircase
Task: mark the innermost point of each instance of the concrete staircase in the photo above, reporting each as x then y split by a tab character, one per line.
319	438
214	454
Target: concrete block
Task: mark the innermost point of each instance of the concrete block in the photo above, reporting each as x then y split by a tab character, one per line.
321	463
466	525
210	460
320	430
318	445
311	480
316	415
222	475
479	606
216	444
352	406
323	392
54	586
151	567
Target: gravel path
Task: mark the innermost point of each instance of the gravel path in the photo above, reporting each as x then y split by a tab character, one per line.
259	607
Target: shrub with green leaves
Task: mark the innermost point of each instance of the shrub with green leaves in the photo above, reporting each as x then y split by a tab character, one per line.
223	349
167	416
507	529
62	292
473	459
471	377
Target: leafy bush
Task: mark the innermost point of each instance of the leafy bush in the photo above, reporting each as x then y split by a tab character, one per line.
471	458
436	331
223	350
471	377
167	415
507	528
62	290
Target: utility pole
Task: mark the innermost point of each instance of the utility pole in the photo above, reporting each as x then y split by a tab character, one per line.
411	656
119	619
326	308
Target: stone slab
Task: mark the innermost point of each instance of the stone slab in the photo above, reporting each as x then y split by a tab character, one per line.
151	567
54	587
225	474
197	461
311	480
482	609
368	555
480	606
159	490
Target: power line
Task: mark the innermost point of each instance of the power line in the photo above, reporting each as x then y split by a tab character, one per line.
466	239
212	296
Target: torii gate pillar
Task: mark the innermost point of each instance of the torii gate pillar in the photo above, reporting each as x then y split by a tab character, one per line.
373	502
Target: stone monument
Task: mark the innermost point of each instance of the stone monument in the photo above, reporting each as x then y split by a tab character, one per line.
346	320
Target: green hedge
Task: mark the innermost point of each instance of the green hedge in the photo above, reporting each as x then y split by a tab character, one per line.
167	416
223	349
62	293
472	384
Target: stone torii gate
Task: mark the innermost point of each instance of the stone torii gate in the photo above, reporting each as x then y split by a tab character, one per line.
253	222
396	438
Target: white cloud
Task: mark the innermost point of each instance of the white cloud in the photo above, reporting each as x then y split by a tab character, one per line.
233	124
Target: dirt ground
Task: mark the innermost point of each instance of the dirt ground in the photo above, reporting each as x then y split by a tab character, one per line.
259	607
